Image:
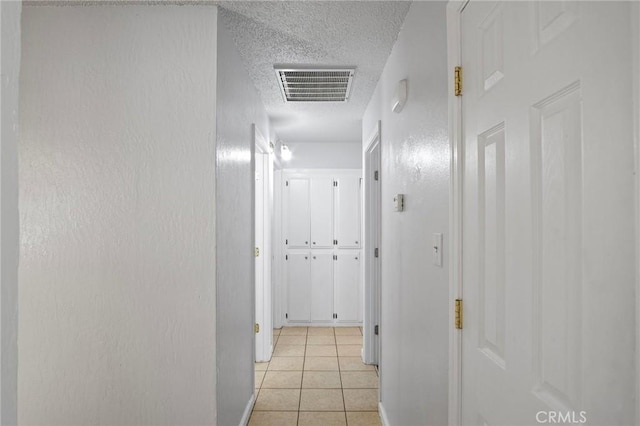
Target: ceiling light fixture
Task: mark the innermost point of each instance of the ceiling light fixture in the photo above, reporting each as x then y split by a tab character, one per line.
285	153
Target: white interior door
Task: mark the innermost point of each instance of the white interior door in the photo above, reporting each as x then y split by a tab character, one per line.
298	287
348	213
548	250
297	217
321	212
321	287
347	286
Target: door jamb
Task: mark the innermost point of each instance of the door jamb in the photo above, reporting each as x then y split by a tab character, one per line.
635	26
371	301
454	58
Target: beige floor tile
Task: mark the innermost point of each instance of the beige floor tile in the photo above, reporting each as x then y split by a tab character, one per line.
321	400
360	399
321	363
289	350
274	418
321	380
277	400
348	331
261	366
349	340
321	340
282	380
349	350
354	363
363	418
259	377
327	418
286	363
292	340
276	331
321	350
293	331
359	379
320	331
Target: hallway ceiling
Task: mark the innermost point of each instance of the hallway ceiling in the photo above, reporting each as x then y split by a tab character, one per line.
315	33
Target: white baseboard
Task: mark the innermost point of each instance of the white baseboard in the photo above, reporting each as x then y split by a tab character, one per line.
247	411
383	415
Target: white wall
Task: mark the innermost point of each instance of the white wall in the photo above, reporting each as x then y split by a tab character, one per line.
117	211
10	70
239	106
415	162
330	155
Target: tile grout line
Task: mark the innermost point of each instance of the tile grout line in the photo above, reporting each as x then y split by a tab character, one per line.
304	360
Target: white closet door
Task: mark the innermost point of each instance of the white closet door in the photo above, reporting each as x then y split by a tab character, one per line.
299	287
297	220
321	287
347	196
321	213
347	286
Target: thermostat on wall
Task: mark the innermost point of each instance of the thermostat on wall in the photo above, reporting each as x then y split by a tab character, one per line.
398	202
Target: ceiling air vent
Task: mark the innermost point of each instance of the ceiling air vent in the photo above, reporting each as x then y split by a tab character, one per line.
315	85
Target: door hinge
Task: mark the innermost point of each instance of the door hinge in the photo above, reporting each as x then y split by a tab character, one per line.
257	251
457	89
256	328
335	316
287	183
286	242
335	257
459	314
376	330
286	316
286	257
375	175
376	252
335	183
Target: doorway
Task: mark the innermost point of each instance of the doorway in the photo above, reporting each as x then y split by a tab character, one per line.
263	160
372	237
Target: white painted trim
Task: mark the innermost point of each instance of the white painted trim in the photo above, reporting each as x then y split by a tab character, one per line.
278	253
244	421
370	300
454	10
383	415
635	25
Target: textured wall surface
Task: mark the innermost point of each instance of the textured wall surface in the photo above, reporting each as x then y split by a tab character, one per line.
117	210
326	155
239	106
10	70
415	161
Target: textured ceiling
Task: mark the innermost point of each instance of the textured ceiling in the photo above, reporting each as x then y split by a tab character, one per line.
322	33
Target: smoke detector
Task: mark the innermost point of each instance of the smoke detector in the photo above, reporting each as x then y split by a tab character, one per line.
315	85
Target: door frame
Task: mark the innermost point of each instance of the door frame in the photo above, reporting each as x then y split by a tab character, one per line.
264	339
635	25
456	140
372	302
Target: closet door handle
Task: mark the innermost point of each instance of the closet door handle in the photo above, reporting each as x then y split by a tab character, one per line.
314	243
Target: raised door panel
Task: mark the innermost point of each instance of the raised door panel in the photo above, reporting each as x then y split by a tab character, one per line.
348	214
322	287
321	213
297	220
347	287
299	287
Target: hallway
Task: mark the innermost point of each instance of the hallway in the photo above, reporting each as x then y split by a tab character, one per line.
316	377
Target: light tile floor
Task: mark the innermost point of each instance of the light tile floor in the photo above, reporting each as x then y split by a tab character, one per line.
316	378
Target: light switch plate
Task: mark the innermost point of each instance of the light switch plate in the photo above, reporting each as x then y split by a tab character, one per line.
398	202
437	249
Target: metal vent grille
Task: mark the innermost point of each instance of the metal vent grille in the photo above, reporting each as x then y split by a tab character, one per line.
307	85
